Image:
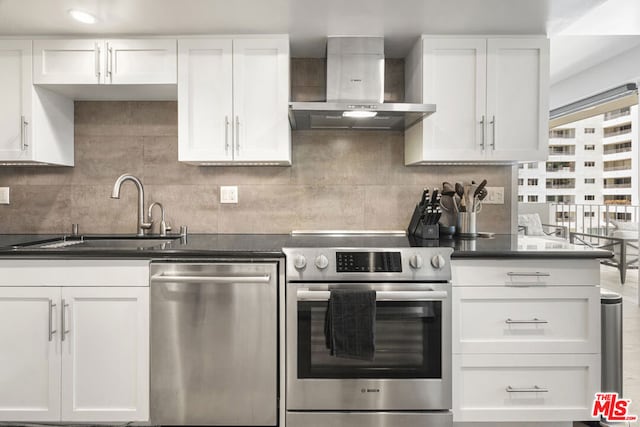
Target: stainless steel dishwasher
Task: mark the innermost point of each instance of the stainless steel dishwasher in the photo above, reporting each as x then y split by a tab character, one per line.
214	343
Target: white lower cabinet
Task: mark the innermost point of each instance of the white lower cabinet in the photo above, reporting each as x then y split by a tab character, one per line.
518	388
525	340
74	353
30	354
105	352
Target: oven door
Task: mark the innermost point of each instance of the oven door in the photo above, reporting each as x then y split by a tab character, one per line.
412	365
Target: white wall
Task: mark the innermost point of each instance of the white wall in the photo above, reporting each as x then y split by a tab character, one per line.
624	68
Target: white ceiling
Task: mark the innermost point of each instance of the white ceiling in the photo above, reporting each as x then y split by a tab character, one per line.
309	21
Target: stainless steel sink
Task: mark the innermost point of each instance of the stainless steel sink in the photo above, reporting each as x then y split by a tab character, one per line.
105	243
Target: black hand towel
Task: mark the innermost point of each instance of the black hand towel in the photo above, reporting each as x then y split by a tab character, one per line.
350	324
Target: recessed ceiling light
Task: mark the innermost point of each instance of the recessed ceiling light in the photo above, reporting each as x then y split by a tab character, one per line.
359	114
82	16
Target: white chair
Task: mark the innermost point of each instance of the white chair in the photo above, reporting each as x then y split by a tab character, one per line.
531	225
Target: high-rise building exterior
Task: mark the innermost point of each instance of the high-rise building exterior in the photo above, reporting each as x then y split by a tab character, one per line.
591	162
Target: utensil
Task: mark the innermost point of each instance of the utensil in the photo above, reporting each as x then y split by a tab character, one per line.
447	187
480	188
448	204
483	194
468	197
459	190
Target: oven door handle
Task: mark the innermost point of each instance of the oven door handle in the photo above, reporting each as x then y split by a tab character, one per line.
306	295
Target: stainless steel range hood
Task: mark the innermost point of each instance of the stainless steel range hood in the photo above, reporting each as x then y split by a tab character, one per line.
355	92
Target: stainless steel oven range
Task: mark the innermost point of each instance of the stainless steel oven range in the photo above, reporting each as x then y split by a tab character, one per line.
408	382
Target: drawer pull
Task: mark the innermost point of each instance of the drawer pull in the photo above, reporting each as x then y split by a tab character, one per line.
534	389
534	320
528	274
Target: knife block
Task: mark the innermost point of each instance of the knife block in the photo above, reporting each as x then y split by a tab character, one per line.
422	231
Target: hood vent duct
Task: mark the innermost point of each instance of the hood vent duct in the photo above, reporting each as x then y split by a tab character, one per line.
355	92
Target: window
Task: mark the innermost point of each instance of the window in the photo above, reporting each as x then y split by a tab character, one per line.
589	164
589	214
617	199
561	199
521	198
520	165
617	165
532	165
562	133
617	130
532	199
561	183
589	197
589	147
589	180
520	181
624	182
589	130
620	147
562	150
532	181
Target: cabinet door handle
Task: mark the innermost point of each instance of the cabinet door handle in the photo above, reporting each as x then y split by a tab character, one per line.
237	135
483	123
493	134
51	330
534	389
535	320
528	274
97	65
23	133
65	331
226	135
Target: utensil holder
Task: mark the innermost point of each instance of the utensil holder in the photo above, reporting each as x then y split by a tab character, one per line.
466	224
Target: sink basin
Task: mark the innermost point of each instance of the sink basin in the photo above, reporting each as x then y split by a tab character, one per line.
106	243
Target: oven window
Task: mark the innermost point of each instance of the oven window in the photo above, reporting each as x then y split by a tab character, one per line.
408	343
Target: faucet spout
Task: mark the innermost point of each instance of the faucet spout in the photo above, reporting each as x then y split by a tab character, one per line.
115	194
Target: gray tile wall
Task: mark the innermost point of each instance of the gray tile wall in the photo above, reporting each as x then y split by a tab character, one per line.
339	180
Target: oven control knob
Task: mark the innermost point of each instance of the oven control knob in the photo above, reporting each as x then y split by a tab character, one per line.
322	262
415	261
299	262
438	261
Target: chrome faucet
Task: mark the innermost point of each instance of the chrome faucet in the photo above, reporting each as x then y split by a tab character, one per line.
164	227
142	224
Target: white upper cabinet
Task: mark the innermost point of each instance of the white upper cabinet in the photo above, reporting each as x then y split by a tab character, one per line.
490	96
517	99
261	100
233	101
120	61
15	109
205	100
36	125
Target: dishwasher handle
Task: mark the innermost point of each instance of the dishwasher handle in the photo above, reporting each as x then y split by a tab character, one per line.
164	278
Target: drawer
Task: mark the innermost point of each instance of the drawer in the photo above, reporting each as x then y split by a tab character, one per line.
525	272
503	387
557	319
65	272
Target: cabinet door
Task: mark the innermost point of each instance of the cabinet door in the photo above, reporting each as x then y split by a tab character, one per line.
105	354
68	61
205	100
30	354
517	99
455	80
15	109
141	61
261	100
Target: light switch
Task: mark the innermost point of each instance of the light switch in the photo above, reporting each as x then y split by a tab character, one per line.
4	195
229	194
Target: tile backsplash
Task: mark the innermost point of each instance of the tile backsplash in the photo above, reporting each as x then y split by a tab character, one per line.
338	180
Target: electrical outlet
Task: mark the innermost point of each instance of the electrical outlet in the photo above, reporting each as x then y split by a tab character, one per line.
4	195
229	194
495	196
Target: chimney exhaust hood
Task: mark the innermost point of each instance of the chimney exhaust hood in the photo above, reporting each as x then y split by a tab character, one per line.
355	92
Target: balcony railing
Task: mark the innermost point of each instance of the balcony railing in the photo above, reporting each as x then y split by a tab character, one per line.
592	219
617	167
621	130
562	151
561	169
615	150
617	113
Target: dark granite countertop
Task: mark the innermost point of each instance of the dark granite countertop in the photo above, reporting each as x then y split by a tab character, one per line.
270	245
